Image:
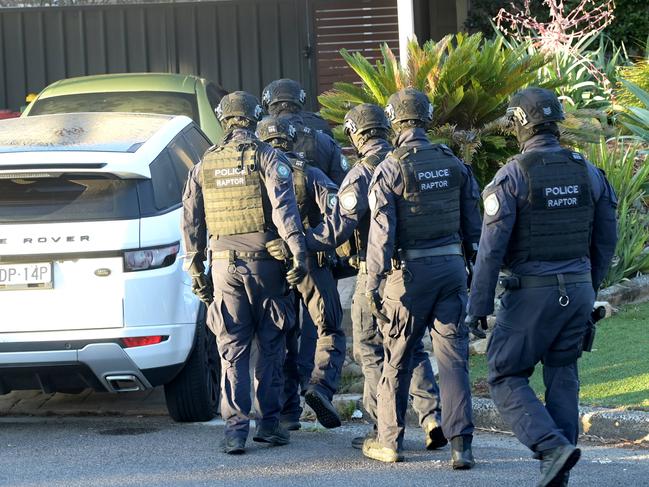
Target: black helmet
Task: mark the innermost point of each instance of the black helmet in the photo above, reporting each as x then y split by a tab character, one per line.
409	104
274	127
283	90
239	104
535	106
363	119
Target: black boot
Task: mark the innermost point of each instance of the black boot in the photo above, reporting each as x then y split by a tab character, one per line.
276	436
323	409
461	453
234	445
433	436
290	424
556	463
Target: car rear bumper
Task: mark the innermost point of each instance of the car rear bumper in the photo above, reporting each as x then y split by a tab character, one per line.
59	361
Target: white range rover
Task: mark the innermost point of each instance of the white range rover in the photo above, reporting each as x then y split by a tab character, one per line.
92	290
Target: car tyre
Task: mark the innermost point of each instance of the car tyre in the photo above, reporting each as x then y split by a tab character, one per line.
193	395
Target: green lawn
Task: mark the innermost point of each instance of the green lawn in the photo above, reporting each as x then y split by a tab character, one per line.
614	374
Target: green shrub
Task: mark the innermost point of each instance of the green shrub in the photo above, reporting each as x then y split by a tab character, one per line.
468	79
584	76
629	178
638	74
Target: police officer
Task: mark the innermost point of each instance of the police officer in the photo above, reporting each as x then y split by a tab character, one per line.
287	92
550	222
241	195
368	131
286	97
424	205
316	196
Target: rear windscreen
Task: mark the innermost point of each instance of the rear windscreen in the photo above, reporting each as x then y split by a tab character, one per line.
68	198
165	103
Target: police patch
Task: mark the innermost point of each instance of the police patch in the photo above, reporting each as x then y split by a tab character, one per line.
491	204
331	200
348	201
283	170
344	163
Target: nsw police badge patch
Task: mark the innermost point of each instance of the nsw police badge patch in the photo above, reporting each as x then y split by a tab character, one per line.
331	200
348	201
491	204
344	163
283	170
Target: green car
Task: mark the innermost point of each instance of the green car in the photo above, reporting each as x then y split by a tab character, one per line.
163	93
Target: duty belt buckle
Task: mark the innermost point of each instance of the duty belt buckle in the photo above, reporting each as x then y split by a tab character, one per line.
564	300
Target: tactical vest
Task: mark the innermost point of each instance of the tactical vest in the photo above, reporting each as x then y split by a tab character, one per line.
306	146
362	231
234	195
557	223
309	210
430	205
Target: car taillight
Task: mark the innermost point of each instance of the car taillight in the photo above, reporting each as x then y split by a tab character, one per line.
150	258
142	341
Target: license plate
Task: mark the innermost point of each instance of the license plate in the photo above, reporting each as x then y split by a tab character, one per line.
26	276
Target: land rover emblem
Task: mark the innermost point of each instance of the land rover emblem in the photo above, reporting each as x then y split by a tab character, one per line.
102	272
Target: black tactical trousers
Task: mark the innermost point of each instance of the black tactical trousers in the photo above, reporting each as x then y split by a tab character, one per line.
252	303
368	352
531	327
301	343
319	293
427	293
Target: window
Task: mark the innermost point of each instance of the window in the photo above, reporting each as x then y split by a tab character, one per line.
196	141
167	187
161	102
182	158
70	197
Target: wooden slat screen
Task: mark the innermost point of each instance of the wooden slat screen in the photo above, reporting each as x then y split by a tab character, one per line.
357	25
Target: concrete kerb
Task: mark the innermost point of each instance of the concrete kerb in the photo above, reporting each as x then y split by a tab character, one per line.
606	424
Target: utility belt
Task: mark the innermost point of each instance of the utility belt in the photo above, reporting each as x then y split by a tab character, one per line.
233	255
560	280
414	254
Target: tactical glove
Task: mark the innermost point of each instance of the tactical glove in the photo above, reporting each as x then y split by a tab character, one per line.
278	249
201	284
374	299
477	325
299	270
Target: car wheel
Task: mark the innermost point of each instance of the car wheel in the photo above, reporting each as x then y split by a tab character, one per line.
193	395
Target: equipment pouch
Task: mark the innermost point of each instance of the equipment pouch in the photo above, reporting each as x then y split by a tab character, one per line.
589	337
510	282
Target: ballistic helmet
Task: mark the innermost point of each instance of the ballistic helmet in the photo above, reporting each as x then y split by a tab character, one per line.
239	104
408	105
364	121
274	127
535	106
283	91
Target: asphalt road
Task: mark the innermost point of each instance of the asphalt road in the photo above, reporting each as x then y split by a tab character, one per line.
101	451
